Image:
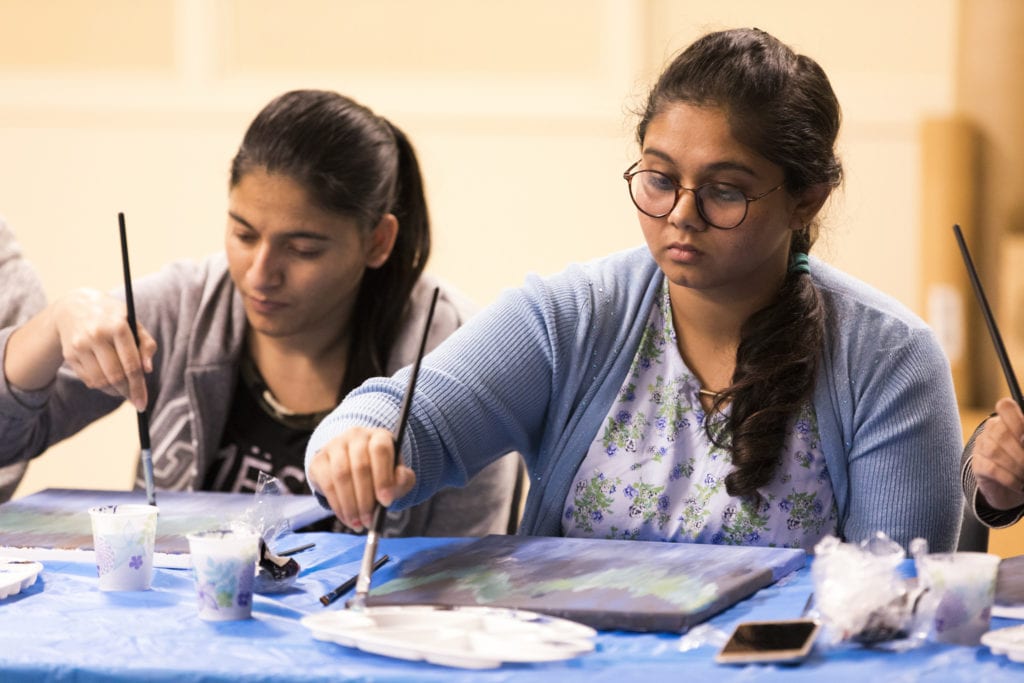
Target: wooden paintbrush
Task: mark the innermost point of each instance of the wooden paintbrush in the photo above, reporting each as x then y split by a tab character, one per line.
358	601
147	453
990	321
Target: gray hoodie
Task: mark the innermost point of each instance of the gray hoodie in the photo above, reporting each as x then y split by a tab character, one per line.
21	297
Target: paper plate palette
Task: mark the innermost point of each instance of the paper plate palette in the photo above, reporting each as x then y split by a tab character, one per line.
463	637
1007	641
16	575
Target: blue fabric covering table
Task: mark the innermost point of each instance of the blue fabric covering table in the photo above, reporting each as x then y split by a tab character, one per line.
64	629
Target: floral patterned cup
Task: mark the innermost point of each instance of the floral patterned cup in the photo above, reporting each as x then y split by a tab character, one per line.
961	589
124	536
224	562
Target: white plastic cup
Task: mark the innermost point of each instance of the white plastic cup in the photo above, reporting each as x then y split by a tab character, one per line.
961	589
224	563
123	538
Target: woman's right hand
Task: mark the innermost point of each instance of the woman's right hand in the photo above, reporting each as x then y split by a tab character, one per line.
997	459
356	470
89	331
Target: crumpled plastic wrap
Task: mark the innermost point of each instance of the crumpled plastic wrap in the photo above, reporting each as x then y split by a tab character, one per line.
274	574
861	597
266	514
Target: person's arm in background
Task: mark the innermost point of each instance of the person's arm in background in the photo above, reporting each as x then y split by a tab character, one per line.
67	366
88	330
23	297
993	467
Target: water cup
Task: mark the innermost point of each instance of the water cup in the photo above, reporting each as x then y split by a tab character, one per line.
123	538
961	589
224	562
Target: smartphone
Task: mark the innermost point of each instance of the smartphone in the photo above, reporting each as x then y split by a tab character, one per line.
788	640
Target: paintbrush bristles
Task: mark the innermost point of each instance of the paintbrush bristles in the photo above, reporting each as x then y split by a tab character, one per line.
357	603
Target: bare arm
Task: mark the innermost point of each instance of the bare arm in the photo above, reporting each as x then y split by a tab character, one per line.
88	330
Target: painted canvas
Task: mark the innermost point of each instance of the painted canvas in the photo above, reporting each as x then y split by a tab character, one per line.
54	523
606	584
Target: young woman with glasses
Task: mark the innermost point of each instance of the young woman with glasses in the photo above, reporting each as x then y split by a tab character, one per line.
717	386
321	286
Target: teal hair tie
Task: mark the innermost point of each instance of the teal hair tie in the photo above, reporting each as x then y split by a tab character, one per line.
798	263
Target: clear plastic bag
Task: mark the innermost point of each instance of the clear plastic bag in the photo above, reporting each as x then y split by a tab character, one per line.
861	597
274	574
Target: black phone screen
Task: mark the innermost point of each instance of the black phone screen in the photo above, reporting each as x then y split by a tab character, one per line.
769	641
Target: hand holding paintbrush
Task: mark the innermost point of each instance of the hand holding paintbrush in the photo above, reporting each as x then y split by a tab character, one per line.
86	331
380	512
998	452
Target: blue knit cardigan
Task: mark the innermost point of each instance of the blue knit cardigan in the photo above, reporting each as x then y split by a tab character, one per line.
538	370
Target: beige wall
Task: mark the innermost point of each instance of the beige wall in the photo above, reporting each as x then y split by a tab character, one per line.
520	111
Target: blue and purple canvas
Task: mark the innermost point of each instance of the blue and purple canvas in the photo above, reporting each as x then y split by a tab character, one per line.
606	584
44	524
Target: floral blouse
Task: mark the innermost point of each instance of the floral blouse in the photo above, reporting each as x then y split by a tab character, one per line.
653	474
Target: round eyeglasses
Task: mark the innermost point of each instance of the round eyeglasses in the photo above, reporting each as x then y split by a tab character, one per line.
721	205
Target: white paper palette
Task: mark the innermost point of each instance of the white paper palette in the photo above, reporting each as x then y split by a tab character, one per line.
1007	641
16	575
463	637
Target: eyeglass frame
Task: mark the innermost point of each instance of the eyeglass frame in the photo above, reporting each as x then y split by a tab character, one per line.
630	173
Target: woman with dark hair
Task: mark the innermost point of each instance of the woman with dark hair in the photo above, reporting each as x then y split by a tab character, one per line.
320	287
719	386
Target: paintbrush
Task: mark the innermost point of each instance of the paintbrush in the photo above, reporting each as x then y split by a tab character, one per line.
358	601
990	321
347	584
147	453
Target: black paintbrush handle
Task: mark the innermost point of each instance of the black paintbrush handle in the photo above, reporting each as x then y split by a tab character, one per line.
143	430
347	585
379	511
129	300
403	413
990	321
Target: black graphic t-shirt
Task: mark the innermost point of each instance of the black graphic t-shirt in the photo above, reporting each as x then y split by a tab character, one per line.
257	438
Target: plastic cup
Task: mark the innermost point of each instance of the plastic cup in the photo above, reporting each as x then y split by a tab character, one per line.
224	562
123	537
961	589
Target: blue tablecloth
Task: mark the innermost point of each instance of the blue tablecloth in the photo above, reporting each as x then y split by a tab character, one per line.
64	629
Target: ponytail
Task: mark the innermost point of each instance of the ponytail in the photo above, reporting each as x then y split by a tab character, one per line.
384	292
